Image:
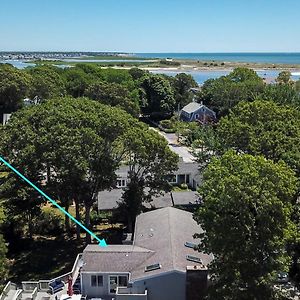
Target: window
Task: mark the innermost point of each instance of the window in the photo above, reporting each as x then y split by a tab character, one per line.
172	178
152	267
194	259
123	281
100	280
190	245
121	183
96	280
115	281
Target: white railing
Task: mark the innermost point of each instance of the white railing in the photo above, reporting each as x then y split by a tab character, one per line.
34	293
41	285
29	286
18	295
132	293
9	286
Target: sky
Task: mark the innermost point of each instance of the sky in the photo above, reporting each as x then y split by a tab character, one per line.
150	25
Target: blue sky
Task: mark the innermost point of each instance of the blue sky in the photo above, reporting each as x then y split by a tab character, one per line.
150	25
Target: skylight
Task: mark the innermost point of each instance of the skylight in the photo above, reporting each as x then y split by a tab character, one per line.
152	267
194	259
190	245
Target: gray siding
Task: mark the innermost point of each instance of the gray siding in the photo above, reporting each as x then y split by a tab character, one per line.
170	286
96	291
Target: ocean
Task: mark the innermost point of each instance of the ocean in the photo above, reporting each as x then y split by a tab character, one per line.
273	58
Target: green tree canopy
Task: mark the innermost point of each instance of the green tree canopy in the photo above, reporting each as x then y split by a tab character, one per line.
14	86
224	93
157	94
284	77
263	128
3	251
114	94
67	142
246	222
150	161
286	94
182	84
47	82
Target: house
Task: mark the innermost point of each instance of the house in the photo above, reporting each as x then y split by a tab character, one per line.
187	173
197	112
5	116
160	264
108	200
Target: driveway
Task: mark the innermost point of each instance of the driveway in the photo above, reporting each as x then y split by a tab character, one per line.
182	151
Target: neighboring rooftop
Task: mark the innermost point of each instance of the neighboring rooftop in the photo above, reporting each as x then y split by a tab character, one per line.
108	200
191	107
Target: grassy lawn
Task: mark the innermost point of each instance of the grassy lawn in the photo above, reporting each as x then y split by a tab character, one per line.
42	258
46	257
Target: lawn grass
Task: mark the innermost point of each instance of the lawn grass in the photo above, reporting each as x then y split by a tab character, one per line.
42	258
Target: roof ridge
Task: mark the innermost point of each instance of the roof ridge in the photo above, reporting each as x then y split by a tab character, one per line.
171	234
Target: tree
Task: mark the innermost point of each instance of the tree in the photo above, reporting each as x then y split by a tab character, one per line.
13	87
150	161
297	86
182	84
77	143
286	94
263	128
77	81
284	77
46	82
246	221
157	94
114	94
3	251
137	73
223	93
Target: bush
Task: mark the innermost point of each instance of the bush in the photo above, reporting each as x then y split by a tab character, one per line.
166	124
184	186
95	218
48	223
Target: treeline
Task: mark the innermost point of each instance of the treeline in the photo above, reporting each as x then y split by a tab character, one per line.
136	91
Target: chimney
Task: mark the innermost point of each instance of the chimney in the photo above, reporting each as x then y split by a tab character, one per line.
196	282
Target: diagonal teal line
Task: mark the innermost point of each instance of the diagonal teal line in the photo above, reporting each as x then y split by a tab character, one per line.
102	242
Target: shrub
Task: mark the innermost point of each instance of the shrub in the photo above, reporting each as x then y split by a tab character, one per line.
48	223
184	186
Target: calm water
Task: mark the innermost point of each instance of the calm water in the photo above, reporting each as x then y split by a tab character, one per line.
201	76
273	58
17	63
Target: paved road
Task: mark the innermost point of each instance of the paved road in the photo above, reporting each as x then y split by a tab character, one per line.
182	151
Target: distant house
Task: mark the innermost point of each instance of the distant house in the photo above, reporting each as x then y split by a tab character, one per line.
5	118
160	264
197	112
187	172
109	200
27	102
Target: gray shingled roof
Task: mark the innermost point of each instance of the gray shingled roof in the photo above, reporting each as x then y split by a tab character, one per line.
159	238
113	258
165	231
108	200
191	107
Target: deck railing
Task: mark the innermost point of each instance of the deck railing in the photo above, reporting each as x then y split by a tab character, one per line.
132	293
41	285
